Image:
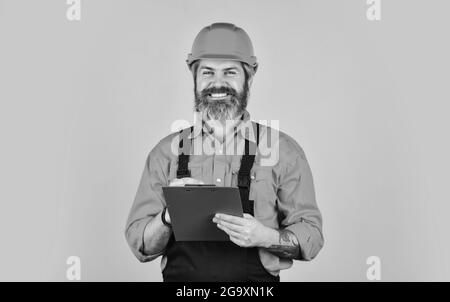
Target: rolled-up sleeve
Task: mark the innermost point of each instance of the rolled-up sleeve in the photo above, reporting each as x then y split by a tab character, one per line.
297	202
147	204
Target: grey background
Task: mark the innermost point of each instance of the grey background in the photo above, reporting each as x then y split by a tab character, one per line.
82	103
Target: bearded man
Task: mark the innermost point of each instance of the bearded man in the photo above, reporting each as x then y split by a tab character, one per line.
281	220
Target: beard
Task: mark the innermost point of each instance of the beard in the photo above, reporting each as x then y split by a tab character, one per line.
228	108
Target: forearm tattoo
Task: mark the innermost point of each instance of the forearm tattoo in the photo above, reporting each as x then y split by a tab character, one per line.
288	247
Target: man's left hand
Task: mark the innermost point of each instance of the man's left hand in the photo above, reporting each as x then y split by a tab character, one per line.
246	231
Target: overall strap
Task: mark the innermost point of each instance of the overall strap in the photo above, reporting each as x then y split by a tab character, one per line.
244	172
184	151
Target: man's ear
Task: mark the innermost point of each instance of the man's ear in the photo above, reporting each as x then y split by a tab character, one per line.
250	81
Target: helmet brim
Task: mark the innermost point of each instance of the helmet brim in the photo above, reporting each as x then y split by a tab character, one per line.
250	61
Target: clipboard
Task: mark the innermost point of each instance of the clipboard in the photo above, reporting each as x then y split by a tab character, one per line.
193	207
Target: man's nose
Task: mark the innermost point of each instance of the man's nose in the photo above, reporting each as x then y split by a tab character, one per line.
218	81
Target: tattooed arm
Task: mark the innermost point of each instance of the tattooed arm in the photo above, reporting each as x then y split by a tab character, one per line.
287	246
249	232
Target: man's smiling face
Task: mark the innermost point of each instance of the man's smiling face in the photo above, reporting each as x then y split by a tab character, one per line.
221	89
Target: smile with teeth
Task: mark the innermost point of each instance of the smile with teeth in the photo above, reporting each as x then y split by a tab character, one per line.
218	95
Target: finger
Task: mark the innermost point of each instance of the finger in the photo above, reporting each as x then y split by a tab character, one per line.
232	232
231	219
227	230
236	228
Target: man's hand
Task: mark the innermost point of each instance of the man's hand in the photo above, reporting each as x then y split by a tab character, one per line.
247	231
177	182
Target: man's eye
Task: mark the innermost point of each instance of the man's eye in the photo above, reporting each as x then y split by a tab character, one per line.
230	72
207	72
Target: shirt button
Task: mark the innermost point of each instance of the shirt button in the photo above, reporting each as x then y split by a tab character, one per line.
218	180
252	177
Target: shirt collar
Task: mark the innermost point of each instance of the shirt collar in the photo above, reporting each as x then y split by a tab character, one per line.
200	127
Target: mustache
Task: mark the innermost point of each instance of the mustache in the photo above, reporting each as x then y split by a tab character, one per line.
228	90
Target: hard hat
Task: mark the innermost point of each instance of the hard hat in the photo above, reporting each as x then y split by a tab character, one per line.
223	41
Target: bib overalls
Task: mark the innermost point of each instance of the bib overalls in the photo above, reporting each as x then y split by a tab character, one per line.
216	261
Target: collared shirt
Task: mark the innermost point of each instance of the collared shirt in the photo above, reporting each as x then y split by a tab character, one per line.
281	186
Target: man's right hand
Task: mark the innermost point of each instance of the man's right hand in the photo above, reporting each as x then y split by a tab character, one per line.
178	182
